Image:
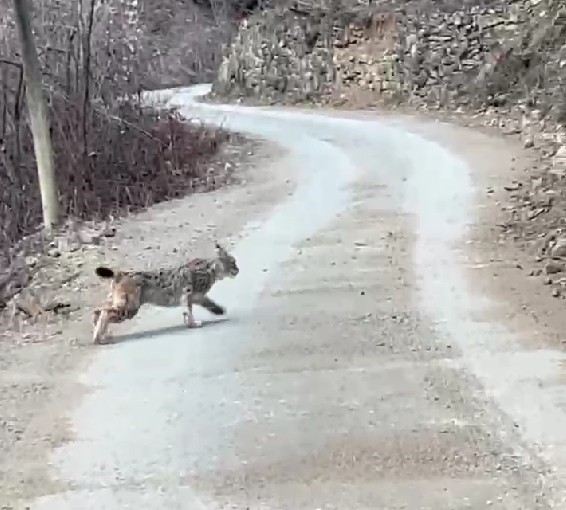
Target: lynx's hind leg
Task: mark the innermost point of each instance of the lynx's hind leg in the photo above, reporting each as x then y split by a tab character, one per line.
101	321
111	314
125	306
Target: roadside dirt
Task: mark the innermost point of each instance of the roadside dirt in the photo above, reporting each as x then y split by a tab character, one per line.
502	267
39	362
504	264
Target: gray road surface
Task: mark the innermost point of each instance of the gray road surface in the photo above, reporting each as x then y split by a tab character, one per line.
350	374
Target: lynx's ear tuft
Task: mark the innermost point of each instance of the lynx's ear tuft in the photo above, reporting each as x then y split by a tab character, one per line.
104	272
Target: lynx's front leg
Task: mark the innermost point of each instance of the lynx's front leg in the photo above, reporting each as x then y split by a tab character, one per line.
188	316
210	305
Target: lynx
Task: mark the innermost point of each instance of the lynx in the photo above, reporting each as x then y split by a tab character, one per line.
179	286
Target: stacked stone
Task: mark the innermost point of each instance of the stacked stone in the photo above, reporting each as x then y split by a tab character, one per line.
442	56
363	59
277	55
468	57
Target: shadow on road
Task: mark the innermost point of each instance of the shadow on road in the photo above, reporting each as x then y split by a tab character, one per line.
142	335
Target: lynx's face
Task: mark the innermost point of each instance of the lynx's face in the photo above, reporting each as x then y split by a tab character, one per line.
228	261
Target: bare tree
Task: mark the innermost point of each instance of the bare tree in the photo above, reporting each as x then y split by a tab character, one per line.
38	116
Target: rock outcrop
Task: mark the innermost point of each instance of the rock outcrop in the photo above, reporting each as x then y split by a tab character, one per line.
278	54
419	52
475	55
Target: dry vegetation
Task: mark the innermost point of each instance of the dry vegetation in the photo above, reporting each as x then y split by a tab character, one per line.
183	40
111	156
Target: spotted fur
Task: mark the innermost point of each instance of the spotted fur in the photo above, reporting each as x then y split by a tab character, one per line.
179	286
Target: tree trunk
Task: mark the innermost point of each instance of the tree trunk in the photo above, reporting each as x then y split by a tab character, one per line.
38	117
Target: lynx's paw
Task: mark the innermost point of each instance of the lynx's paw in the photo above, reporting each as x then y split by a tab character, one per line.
190	321
102	341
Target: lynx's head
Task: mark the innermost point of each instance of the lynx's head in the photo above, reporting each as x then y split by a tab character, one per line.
229	265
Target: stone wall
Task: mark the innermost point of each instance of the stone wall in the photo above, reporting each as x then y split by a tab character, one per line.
278	54
422	52
443	57
482	53
492	56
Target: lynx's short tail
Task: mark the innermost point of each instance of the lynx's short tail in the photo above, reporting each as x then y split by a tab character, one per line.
105	272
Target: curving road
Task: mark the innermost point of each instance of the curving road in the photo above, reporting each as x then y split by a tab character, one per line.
351	374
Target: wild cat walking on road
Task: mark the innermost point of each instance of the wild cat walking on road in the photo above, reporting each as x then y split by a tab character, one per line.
178	286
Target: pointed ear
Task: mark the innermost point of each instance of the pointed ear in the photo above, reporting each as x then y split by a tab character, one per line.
219	248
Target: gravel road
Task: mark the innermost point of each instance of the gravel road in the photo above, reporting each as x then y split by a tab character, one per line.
354	370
